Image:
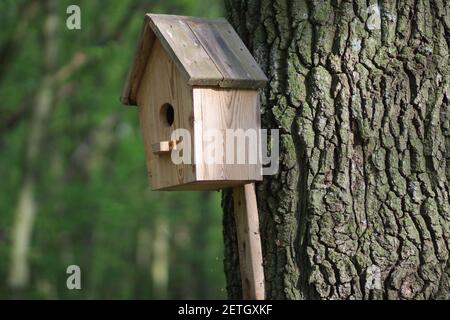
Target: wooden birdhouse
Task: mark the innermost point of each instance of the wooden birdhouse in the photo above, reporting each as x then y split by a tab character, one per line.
196	75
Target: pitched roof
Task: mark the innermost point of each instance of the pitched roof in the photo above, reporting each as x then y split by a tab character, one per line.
207	52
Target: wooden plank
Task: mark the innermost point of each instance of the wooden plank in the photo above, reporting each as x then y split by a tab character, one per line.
249	242
242	53
204	185
185	50
228	52
162	83
219	52
220	109
141	57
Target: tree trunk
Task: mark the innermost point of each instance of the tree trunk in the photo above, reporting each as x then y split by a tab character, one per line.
360	92
161	258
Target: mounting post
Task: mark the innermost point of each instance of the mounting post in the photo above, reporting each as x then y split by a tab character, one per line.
249	242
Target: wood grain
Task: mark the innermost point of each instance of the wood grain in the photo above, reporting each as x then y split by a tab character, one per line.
232	58
207	52
184	48
222	109
162	83
249	242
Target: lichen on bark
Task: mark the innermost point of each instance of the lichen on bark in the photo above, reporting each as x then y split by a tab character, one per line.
360	93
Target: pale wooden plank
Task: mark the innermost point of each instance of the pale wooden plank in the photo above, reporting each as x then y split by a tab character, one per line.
221	109
249	242
185	50
205	185
162	83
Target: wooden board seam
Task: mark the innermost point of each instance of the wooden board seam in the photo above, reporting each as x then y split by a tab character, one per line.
207	52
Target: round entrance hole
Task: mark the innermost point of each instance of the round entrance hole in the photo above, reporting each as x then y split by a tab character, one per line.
167	114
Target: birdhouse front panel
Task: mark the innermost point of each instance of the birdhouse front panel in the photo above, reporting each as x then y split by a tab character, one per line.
196	75
165	104
228	117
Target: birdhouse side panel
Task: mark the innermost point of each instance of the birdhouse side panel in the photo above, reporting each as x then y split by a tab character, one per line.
229	135
165	104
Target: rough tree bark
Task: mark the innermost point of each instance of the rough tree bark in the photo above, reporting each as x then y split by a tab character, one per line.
360	92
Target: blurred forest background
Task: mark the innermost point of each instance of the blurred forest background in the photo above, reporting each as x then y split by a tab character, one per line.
73	184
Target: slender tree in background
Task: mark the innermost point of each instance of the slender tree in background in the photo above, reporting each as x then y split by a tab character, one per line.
26	206
360	92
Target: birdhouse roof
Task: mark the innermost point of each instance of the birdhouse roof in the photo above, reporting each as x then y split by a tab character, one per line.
207	52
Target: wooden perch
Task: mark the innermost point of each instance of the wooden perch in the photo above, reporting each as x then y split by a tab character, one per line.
164	146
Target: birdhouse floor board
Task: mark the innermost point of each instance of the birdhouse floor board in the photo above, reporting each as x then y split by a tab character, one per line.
205	185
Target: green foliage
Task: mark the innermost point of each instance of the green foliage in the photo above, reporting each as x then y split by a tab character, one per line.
94	207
